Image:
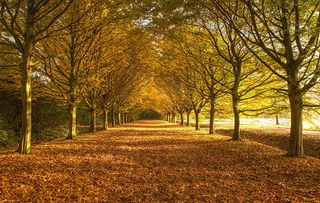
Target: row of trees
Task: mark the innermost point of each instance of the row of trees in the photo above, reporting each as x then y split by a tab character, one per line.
79	53
243	56
262	56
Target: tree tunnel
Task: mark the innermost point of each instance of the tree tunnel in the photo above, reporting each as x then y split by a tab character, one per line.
149	114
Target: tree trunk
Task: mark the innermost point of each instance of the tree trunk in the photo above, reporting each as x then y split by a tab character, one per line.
93	119
113	118
126	117
212	112
174	118
26	77
72	121
130	117
17	116
197	120
236	117
277	119
118	118
181	119
122	118
105	119
25	137
296	136
188	118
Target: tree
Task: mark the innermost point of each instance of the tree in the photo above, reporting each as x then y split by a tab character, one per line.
183	84
127	73
200	56
25	23
67	57
284	36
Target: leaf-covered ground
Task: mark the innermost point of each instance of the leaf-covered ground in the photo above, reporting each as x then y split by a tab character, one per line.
279	137
153	161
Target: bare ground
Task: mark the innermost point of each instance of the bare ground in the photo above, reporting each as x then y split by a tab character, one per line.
155	161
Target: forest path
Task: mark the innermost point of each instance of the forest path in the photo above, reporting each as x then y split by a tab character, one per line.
156	161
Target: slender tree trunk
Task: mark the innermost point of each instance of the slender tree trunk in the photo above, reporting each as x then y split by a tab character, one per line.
72	121
105	119
181	119
118	118
212	112
277	119
25	137
197	120
113	118
130	117
122	118
93	120
188	118
17	116
236	116
26	77
296	136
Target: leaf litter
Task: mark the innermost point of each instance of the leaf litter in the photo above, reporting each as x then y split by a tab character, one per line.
154	161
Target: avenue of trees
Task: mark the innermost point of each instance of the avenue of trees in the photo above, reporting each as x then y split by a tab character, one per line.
262	56
230	58
78	53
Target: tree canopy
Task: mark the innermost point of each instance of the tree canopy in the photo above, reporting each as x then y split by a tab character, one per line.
122	59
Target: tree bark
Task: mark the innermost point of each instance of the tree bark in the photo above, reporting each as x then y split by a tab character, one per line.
118	120
72	121
105	119
296	136
126	118
130	117
236	116
188	118
122	118
93	120
237	69
26	77
113	118
25	137
197	120
212	112
181	119
277	119
174	118
17	119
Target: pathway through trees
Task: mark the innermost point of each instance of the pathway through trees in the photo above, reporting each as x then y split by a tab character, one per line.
156	161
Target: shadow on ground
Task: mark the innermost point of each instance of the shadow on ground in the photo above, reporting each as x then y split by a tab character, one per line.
130	165
279	138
